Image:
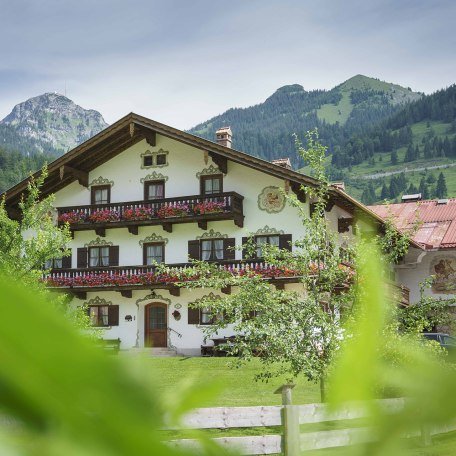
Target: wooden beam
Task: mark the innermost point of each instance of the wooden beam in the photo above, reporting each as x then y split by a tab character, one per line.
226	290
202	224
126	293
81	176
100	231
298	191
132	129
239	221
168	227
79	294
220	161
174	291
133	229
329	205
278	285
151	138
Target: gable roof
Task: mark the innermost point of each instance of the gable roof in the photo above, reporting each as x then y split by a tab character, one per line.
134	128
437	221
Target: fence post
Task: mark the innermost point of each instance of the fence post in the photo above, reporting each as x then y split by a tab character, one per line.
290	421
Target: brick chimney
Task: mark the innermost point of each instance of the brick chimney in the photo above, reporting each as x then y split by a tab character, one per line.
283	162
223	136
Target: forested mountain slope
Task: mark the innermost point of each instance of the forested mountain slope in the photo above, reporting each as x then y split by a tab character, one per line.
265	130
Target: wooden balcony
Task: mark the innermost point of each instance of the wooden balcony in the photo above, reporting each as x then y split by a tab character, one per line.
165	212
125	279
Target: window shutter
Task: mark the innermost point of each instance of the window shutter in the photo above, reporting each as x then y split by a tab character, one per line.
113	315
82	257
285	241
114	255
245	240
228	249
144	254
194	250
193	316
66	261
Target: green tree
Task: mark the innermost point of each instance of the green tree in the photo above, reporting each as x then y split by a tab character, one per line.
292	332
385	192
394	159
424	190
33	240
441	190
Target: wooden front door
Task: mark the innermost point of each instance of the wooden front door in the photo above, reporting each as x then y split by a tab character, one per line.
156	325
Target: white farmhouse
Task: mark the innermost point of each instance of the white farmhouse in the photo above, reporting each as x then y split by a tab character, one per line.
142	192
433	223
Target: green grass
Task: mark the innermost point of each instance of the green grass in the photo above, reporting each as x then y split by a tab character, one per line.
237	386
337	113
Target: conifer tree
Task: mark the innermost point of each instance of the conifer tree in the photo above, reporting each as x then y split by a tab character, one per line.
394	157
385	192
441	190
424	189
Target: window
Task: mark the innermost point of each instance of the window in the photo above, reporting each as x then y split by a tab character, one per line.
154	159
154	253
99	315
206	317
262	240
98	256
148	160
154	190
211	185
55	263
212	249
161	159
101	194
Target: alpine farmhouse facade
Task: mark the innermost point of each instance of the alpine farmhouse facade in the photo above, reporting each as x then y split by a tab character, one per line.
141	192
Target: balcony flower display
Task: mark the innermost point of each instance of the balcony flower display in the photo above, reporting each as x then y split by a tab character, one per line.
138	213
104	215
72	217
173	210
208	207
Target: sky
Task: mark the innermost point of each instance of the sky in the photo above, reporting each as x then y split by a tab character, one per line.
181	62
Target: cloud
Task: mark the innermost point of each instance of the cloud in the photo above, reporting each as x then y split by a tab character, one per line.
183	62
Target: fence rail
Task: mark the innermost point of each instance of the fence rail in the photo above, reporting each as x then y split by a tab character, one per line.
293	442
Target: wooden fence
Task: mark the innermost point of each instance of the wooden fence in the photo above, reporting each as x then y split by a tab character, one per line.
292	442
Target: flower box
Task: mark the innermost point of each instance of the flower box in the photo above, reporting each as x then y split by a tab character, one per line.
103	215
173	210
208	207
72	217
138	213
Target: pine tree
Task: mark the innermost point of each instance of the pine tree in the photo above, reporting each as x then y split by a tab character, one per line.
385	192
441	190
410	154
424	189
394	157
412	190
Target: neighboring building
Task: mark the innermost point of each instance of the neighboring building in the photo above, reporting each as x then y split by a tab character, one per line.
434	225
140	192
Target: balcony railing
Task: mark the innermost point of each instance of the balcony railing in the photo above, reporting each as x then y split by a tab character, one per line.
143	277
166	212
115	276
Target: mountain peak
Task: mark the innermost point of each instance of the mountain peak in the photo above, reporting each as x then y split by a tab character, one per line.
54	119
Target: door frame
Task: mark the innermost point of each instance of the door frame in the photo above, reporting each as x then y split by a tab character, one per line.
147	335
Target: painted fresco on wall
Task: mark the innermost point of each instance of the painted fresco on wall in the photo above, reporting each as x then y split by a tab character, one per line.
444	270
271	200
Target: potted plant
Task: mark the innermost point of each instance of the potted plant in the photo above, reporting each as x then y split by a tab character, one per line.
137	213
104	215
208	207
173	210
72	217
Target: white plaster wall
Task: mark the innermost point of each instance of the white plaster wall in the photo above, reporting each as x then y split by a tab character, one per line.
413	276
131	333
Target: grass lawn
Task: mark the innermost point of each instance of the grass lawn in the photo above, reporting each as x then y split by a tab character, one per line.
237	387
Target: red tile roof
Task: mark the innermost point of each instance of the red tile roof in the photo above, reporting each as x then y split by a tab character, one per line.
437	222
